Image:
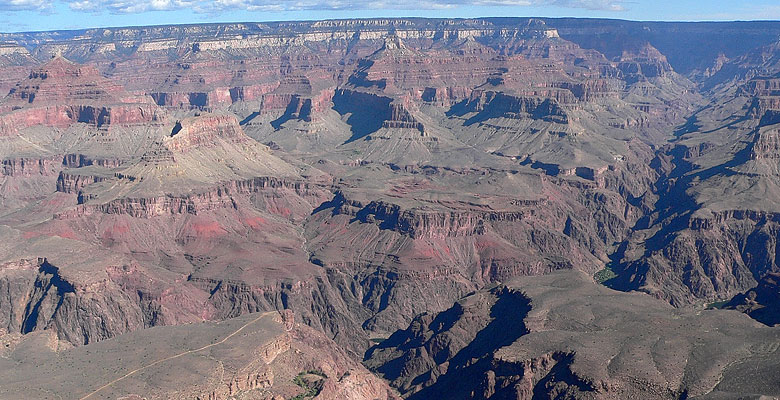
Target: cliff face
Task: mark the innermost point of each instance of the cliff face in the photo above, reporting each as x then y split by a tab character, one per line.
61	93
80	160
715	258
223	196
118	299
646	62
39	297
196	132
499	104
28	167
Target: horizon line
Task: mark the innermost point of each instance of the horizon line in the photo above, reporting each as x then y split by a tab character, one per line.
393	18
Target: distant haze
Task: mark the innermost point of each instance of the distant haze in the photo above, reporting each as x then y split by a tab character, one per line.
39	15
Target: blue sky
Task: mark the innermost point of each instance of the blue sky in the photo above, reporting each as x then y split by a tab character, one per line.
29	15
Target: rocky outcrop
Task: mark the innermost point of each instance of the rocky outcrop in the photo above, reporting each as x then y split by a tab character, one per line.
250	92
113	301
60	80
589	90
61	93
192	133
27	167
221	196
74	183
770	117
761	106
422	223
449	341
39	297
455	247
219	96
705	256
315	302
760	87
592	174
63	116
197	100
646	62
295	106
445	96
762	302
452	352
377	112
489	104
400	117
707	240
157	155
81	160
528	340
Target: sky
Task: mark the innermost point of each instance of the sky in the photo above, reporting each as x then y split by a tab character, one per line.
38	15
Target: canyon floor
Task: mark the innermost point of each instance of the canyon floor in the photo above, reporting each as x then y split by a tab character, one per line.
497	208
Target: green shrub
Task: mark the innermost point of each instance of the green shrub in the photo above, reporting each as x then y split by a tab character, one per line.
310	390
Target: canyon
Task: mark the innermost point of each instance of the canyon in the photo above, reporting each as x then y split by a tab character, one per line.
391	208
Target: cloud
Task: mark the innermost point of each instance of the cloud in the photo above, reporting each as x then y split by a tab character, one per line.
25	5
293	5
298	5
217	6
131	6
608	5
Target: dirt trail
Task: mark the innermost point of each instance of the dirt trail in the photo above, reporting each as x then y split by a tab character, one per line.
173	357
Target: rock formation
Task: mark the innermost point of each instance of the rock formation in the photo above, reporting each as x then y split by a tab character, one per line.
359	173
761	302
61	93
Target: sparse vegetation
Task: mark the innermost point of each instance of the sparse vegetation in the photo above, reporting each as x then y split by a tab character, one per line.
311	389
717	305
604	275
